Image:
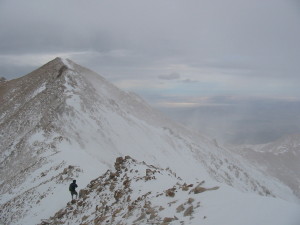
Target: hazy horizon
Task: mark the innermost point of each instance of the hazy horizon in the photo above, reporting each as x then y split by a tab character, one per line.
255	122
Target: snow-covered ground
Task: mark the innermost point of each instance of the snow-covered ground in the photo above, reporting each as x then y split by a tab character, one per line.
63	122
136	193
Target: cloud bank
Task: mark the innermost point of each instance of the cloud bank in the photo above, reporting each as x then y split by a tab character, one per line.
172	53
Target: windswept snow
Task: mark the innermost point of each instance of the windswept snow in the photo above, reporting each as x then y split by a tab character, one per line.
39	90
63	122
67	62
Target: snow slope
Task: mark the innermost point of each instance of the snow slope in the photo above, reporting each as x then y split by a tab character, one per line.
63	122
279	158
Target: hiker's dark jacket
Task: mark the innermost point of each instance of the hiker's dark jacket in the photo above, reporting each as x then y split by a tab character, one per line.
73	186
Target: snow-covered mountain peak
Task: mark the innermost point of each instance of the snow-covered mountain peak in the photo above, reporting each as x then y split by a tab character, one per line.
63	121
67	62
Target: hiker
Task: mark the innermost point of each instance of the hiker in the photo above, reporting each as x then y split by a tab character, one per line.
72	188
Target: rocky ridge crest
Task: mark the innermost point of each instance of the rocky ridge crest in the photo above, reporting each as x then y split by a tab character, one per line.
133	193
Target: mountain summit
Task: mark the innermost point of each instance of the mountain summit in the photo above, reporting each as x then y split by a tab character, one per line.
63	122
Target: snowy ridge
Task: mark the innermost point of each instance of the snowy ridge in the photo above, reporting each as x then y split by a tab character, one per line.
137	193
63	121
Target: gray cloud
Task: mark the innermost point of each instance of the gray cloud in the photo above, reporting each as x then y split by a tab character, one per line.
232	48
259	36
171	76
189	81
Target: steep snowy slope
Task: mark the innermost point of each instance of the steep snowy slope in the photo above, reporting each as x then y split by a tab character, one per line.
279	158
63	121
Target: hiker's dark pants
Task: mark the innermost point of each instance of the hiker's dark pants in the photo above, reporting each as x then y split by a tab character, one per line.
73	193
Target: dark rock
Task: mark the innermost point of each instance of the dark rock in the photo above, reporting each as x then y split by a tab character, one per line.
118	194
168	220
190	201
83	193
119	162
170	192
198	190
180	208
189	211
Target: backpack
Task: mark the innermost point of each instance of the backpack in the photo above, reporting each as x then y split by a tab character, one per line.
72	187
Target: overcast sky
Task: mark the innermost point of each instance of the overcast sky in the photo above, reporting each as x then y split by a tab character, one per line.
173	53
